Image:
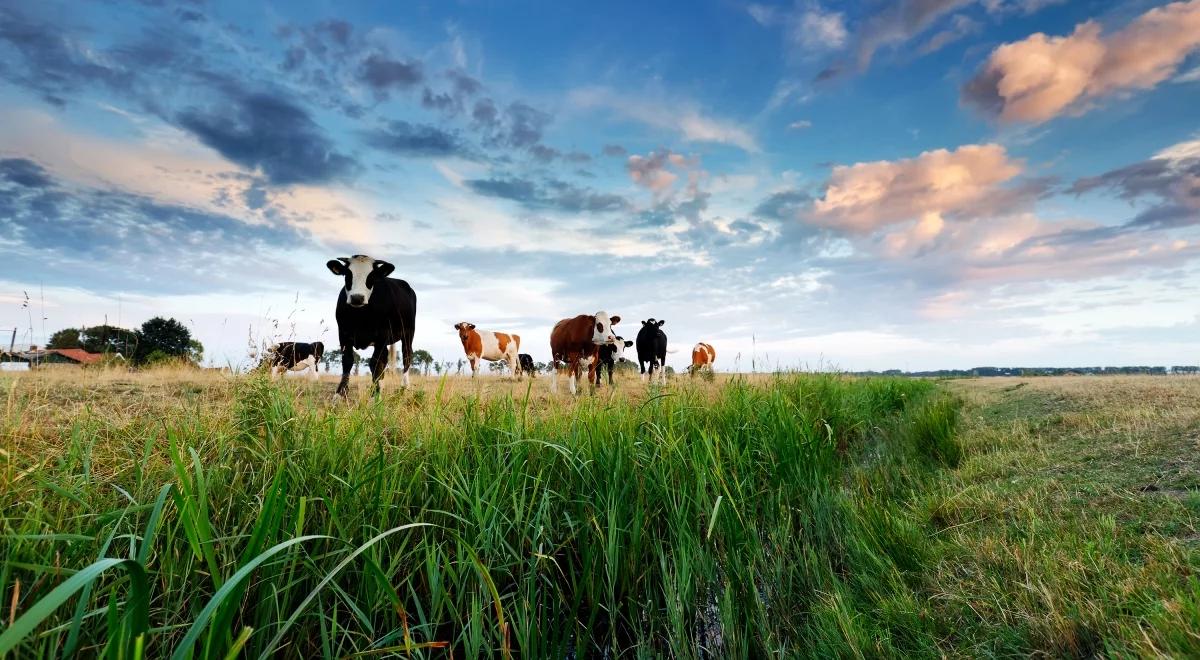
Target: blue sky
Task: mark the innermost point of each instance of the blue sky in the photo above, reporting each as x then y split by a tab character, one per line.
914	184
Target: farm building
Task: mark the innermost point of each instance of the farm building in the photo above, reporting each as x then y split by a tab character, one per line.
37	357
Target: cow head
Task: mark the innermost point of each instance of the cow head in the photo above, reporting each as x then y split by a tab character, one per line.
651	323
362	273
602	332
619	349
464	330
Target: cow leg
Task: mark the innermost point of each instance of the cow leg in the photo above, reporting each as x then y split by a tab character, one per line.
378	363
348	361
554	375
474	360
573	370
515	364
406	351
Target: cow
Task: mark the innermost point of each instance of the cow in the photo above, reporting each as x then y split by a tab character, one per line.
489	345
373	308
652	349
574	342
295	356
526	362
703	355
609	355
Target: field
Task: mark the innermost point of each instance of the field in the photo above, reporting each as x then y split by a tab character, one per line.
189	514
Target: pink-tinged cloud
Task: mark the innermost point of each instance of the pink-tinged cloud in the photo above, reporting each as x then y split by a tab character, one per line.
1041	77
864	197
653	171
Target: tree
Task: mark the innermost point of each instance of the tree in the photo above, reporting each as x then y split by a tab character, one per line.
195	351
66	338
109	339
166	335
423	359
497	366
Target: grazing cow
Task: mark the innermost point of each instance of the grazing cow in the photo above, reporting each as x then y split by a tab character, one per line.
373	308
295	356
652	349
609	355
489	345
703	355
574	341
526	362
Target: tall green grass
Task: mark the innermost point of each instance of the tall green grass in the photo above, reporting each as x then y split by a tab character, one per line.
739	521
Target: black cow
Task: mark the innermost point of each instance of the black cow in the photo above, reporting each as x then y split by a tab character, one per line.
373	308
652	348
526	362
608	355
295	356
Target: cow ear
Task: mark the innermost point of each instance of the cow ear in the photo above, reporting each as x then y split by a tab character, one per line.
614	320
660	323
645	323
470	326
383	268
628	343
337	266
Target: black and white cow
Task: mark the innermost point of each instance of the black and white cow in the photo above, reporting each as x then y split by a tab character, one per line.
609	355
526	362
295	356
373	308
652	349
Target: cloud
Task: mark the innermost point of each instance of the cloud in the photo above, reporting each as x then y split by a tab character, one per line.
266	131
385	74
762	14
24	173
1169	182
692	124
417	140
654	171
785	205
817	30
899	23
51	63
1042	77
106	240
800	125
866	196
961	26
614	150
551	194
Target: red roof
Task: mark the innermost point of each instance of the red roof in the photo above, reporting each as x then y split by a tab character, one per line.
78	354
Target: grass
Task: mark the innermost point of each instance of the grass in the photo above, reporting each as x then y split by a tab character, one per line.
197	515
1072	527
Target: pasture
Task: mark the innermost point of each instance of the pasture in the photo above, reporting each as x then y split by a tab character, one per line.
191	514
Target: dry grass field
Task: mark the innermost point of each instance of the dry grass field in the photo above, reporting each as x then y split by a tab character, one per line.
202	514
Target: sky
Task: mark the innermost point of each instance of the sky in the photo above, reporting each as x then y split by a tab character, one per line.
919	184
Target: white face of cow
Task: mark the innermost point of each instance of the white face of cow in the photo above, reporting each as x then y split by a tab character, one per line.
361	273
619	349
602	332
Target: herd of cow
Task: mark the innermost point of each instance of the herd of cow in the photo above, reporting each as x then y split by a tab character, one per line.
376	310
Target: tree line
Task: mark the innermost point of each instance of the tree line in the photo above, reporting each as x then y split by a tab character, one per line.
985	372
157	340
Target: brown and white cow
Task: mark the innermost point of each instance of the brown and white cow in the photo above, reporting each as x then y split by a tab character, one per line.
489	345
576	341
703	355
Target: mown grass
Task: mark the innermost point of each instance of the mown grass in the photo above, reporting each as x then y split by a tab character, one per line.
1072	527
214	517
